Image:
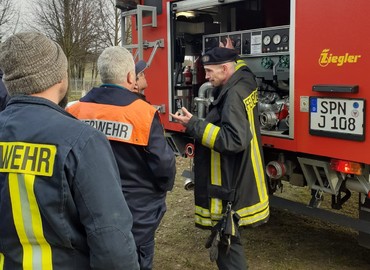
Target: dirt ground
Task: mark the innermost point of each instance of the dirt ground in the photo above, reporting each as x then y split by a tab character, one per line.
287	241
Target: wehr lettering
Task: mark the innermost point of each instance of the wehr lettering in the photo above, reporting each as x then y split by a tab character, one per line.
112	129
28	158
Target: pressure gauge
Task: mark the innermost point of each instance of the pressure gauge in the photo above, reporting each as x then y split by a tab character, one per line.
276	39
266	40
285	38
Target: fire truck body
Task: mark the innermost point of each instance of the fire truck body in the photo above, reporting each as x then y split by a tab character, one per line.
310	59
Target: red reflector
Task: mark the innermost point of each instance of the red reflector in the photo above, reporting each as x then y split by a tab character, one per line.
345	166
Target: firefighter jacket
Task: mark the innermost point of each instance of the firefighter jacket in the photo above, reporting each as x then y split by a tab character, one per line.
228	162
145	160
61	205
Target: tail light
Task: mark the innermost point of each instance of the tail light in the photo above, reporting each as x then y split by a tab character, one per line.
345	166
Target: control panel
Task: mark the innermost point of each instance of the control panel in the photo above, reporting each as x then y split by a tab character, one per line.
254	42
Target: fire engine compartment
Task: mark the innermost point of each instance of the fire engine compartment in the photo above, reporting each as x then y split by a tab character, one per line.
260	33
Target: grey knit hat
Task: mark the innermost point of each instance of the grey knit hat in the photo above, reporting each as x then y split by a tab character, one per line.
31	63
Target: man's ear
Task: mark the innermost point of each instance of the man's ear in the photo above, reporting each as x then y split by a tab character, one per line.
131	77
224	67
228	67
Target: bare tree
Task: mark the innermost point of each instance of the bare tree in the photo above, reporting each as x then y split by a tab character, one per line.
73	24
110	25
109	28
8	17
83	28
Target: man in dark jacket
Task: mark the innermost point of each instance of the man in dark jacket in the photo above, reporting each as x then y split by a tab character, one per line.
230	188
61	204
145	160
4	96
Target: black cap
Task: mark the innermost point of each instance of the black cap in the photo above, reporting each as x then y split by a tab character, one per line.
140	66
219	55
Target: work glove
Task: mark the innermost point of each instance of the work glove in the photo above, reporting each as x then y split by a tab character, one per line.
212	243
223	232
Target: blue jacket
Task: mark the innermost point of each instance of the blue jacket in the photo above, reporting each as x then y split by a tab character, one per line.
61	204
145	160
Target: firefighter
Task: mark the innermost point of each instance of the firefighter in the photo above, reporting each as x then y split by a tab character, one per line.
145	160
230	189
61	204
4	96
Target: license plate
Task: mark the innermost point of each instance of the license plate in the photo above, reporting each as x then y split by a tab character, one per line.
337	117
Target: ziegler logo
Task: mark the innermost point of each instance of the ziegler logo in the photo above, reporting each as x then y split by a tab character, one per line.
327	58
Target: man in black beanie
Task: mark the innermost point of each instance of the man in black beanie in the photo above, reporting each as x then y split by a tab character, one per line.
230	188
61	200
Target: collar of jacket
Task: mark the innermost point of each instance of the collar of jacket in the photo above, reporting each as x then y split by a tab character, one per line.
112	85
33	100
110	94
225	88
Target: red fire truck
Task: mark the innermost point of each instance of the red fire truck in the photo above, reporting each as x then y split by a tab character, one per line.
310	59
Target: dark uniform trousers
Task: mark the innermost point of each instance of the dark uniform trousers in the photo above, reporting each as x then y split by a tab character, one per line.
234	260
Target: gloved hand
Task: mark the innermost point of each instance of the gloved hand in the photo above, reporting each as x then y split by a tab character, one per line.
213	251
212	243
222	232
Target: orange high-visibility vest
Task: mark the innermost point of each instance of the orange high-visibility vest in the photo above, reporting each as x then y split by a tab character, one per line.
129	124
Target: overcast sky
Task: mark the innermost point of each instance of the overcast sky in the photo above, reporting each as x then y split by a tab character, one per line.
23	3
25	8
